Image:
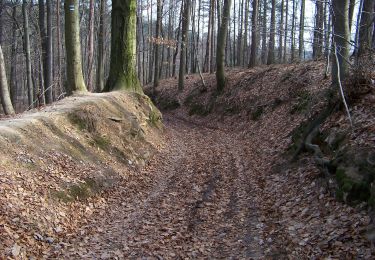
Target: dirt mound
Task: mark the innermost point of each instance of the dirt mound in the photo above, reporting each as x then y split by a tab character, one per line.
70	152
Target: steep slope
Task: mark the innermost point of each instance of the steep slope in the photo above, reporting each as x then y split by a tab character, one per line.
55	163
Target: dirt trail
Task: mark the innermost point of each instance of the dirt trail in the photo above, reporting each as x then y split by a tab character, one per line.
197	199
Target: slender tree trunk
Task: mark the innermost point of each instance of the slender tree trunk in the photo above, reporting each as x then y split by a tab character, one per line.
5	96
340	40
246	45
254	34
101	48
207	62
366	27
13	66
271	48
318	31
26	36
302	31
281	30
185	28
221	41
286	31
58	32
157	43
74	73
123	74
293	33
90	48
264	33
49	55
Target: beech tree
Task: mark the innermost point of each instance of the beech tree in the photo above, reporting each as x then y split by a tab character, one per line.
4	89
74	73
185	28
122	74
271	48
340	65
221	41
26	37
366	28
254	34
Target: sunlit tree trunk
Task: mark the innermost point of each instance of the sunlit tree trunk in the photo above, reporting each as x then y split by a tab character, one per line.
4	90
101	48
74	73
123	74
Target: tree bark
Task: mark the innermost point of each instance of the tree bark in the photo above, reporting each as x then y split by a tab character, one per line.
48	68
271	48
264	33
221	41
4	90
157	43
281	29
302	32
74	73
341	40
90	48
123	75
29	83
101	48
254	34
185	27
366	27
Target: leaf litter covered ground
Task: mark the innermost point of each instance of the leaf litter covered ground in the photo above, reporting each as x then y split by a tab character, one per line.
218	186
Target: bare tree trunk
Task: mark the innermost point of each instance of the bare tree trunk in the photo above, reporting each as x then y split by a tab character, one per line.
101	48
208	57
264	33
30	91
366	27
318	31
185	28
90	48
246	45
271	48
286	31
221	41
58	32
302	31
157	43
340	66
4	90
281	30
293	33
49	55
123	75
254	34
13	66
74	73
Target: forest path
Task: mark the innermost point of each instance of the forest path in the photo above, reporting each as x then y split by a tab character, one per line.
197	199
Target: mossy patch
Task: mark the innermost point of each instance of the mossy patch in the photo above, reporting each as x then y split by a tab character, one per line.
303	101
78	192
101	141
